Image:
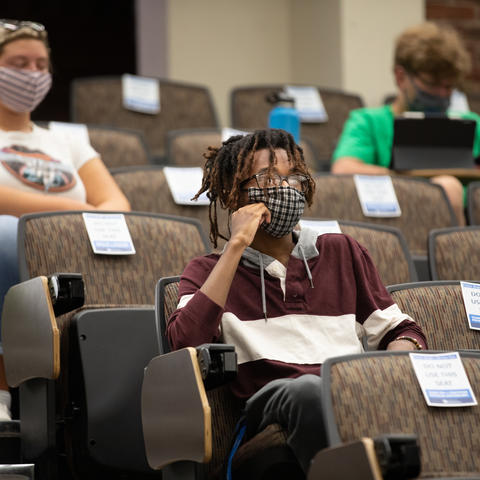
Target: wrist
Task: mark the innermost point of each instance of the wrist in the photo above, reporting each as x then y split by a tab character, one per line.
236	244
411	340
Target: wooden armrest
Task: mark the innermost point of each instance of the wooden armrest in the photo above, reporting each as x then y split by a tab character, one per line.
176	416
30	336
356	460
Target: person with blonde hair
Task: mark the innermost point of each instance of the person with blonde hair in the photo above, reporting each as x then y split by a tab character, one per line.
430	61
40	170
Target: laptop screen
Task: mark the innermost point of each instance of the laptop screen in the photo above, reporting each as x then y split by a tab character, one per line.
432	143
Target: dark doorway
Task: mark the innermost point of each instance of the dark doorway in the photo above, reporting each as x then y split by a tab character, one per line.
87	38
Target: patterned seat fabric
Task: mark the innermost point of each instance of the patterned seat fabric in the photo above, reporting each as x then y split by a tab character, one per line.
186	147
98	100
250	112
59	243
424	207
119	147
473	203
454	253
438	308
371	395
387	248
147	190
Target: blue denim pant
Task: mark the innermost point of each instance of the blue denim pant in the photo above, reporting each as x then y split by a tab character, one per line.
296	404
9	274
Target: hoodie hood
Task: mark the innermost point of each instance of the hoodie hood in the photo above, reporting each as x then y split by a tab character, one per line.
305	248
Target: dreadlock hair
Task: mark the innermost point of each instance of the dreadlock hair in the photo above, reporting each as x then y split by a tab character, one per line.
227	166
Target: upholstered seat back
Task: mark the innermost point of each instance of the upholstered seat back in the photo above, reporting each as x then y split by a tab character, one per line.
58	242
147	190
424	207
119	147
388	249
454	253
186	147
373	394
249	110
439	309
473	203
98	100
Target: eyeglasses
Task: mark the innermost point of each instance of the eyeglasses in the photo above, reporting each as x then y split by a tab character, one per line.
14	25
264	180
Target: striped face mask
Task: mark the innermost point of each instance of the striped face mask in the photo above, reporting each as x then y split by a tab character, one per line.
22	90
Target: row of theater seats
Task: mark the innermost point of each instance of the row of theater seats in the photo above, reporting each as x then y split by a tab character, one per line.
187	107
424	206
98	101
122	147
84	390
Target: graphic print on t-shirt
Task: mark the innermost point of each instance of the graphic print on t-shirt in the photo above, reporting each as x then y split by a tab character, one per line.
37	169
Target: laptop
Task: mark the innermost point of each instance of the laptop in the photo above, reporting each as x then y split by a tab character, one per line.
432	142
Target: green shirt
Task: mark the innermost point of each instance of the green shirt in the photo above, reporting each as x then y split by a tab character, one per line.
368	135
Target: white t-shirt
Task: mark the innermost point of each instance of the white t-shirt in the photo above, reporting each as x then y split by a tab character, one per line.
44	161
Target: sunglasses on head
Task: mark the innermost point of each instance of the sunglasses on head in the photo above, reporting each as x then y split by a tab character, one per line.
14	25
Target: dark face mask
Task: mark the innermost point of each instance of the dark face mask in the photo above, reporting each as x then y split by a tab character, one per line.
426	102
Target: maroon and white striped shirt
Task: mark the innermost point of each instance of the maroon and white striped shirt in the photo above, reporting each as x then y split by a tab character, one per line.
305	325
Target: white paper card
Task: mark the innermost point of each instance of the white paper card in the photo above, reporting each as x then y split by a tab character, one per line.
108	233
443	380
321	226
79	130
184	183
231	132
308	103
377	196
141	94
471	300
458	102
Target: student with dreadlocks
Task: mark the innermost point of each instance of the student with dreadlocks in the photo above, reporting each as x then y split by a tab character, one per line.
286	299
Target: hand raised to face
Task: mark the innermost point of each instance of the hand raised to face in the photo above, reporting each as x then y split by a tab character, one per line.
245	222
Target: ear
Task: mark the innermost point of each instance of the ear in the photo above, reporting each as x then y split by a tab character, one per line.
401	76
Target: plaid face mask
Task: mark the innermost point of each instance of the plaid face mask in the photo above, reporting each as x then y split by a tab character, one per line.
286	205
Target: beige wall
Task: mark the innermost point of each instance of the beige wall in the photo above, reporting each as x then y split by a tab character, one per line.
369	29
225	43
316	42
343	44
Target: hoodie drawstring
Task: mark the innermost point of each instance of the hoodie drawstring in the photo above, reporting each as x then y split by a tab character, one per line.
262	281
262	278
309	274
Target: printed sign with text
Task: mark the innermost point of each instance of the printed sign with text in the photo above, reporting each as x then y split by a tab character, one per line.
141	94
377	196
108	233
443	380
471	300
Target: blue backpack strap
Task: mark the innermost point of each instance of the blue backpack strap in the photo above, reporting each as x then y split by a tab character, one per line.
238	435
